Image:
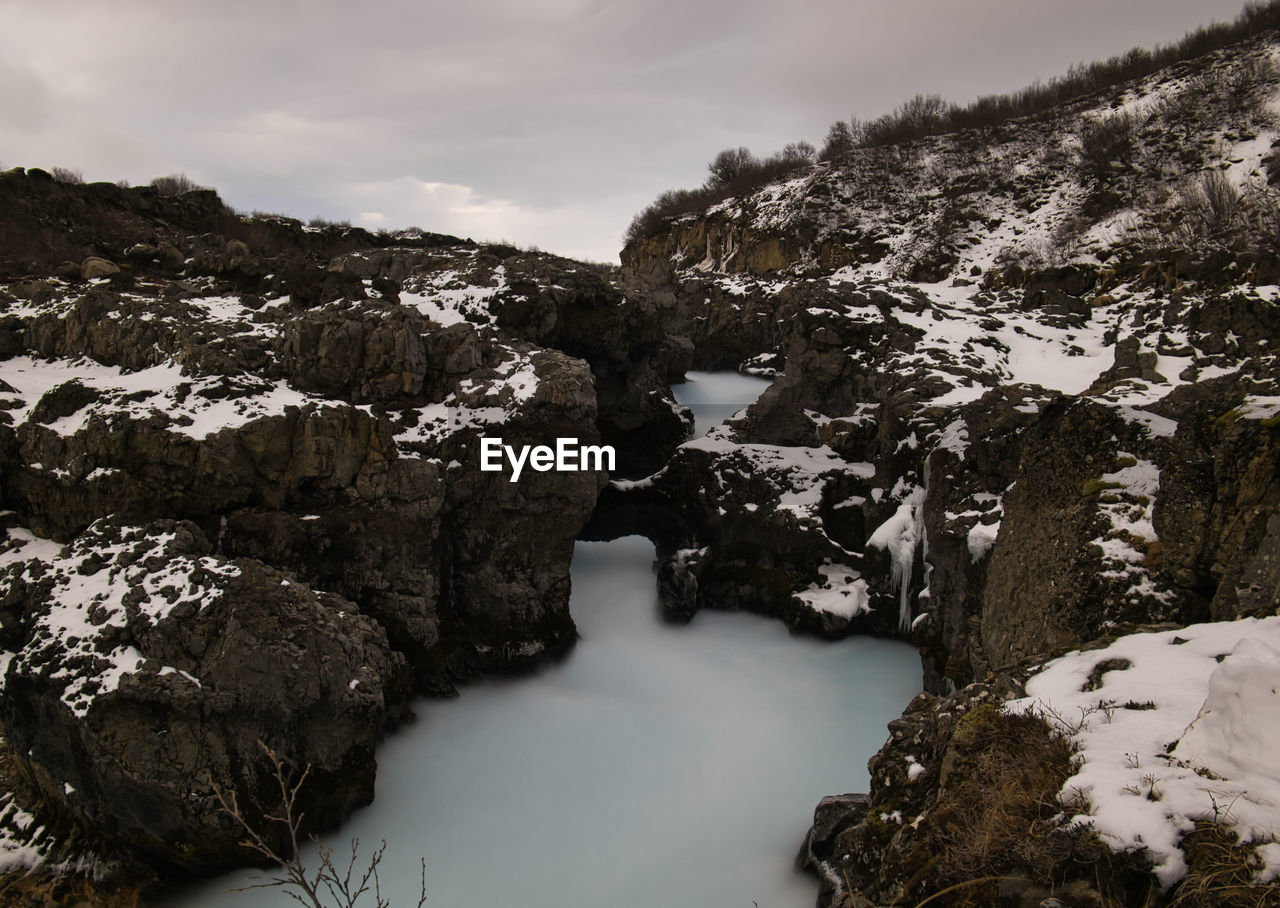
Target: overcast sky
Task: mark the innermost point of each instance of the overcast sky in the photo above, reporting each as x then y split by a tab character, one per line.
544	122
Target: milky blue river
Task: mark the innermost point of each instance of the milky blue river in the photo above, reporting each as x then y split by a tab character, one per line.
657	767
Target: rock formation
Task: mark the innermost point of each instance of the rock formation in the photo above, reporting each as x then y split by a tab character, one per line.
1027	403
236	415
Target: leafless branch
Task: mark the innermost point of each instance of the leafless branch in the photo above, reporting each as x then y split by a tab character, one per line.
327	886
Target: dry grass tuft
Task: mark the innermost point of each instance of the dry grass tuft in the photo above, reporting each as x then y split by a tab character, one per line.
1223	872
43	888
999	801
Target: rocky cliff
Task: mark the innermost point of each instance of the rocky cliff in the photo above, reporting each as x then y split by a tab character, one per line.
1084	180
239	468
1027	403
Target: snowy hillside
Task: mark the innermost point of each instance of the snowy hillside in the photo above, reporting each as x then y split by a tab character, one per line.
1086	182
1045	353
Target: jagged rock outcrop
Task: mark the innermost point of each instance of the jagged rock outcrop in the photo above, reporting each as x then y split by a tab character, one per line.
309	403
756	527
567	306
1055	426
50	227
630	349
142	670
219	451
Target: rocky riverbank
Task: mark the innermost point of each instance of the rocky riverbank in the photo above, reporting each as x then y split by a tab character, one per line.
240	472
1027	405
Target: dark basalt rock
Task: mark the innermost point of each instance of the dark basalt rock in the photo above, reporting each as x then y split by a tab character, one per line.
1258	589
833	815
366	483
228	654
365	353
1047	588
1219	494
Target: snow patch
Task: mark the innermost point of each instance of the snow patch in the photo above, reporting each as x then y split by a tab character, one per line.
1174	737
842	593
982	537
76	638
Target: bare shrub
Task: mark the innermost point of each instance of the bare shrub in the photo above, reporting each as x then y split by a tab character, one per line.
1212	205
67	175
732	172
923	115
669	205
798	153
175	184
840	141
729	166
1260	207
1106	144
329	885
1211	217
1244	88
1184	111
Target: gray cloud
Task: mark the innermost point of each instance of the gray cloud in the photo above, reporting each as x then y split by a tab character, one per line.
547	123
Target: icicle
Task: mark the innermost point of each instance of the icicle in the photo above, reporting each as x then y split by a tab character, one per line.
900	535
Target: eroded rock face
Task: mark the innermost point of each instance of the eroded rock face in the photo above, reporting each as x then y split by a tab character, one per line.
142	670
968	475
1219	498
303	409
1007	472
1058	581
756	527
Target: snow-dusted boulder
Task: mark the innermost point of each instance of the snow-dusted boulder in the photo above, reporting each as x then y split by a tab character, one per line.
138	669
